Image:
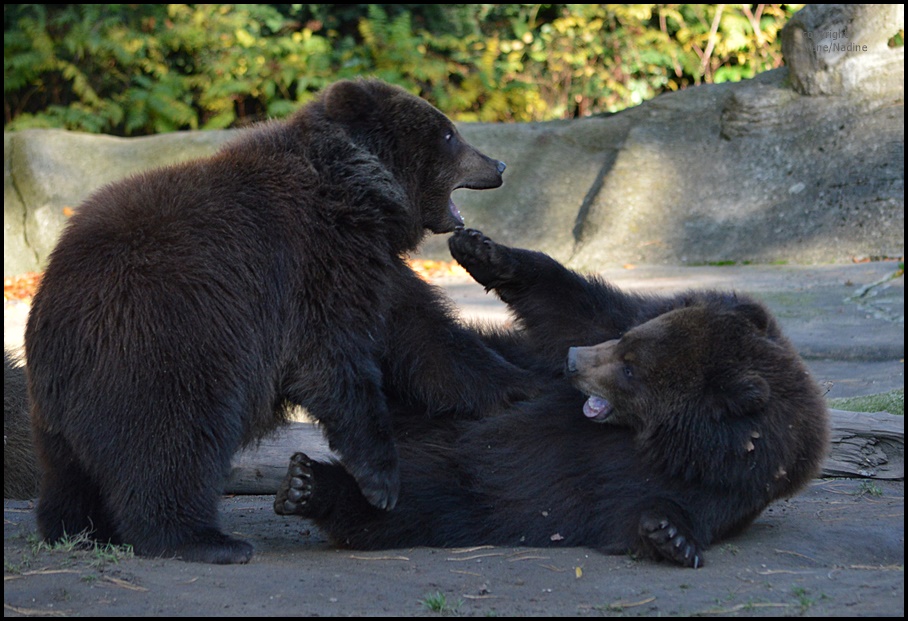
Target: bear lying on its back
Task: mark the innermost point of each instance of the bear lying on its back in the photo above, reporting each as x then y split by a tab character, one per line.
711	416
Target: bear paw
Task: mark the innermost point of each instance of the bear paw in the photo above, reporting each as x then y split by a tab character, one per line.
296	489
225	551
669	542
489	264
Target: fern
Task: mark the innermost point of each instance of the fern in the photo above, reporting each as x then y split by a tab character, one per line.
146	68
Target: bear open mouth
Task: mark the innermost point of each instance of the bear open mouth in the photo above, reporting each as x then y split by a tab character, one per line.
597	409
455	212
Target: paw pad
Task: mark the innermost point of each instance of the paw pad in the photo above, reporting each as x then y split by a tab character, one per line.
296	488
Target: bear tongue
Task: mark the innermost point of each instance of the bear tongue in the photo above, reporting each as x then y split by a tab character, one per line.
455	212
597	409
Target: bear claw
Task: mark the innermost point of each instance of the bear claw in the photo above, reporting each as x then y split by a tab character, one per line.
487	262
296	488
665	538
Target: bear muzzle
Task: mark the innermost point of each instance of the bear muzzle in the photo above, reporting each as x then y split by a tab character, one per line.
478	171
580	360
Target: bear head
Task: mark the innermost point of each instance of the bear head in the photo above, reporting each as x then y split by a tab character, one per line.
417	143
710	360
714	393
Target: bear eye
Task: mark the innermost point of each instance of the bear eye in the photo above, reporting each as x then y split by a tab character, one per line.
448	136
628	371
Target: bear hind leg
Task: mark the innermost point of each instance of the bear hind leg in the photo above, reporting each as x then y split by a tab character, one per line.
329	496
315	490
69	502
178	516
210	545
184	526
296	489
667	541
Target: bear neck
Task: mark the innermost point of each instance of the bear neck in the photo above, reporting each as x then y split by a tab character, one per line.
361	166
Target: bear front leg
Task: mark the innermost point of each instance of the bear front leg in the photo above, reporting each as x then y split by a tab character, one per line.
345	395
667	541
557	307
491	265
435	362
530	282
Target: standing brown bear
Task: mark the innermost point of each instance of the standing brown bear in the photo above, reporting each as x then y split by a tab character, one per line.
183	309
711	415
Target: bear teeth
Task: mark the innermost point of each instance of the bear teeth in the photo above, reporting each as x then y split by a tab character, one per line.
455	212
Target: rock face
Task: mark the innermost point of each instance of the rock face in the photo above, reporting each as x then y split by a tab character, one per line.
752	172
844	49
46	173
803	164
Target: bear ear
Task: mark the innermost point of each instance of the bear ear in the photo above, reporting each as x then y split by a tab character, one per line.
755	314
349	101
741	395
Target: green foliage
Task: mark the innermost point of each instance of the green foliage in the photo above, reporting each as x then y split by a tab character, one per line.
438	603
149	68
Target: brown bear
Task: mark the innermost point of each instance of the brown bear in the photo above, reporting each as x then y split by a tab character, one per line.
710	416
20	467
183	309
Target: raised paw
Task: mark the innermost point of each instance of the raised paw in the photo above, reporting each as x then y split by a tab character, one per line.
669	542
293	495
490	264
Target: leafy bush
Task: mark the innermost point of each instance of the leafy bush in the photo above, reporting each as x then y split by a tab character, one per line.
148	68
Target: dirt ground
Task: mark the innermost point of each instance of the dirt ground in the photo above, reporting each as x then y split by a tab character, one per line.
835	550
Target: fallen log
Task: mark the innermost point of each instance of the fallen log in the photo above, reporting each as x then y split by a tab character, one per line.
864	445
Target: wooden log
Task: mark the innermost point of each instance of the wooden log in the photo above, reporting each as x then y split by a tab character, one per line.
259	469
866	445
863	446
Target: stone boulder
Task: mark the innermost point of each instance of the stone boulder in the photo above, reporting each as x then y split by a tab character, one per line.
800	165
844	49
47	173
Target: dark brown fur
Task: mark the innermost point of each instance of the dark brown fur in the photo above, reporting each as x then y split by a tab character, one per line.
184	308
20	467
708	415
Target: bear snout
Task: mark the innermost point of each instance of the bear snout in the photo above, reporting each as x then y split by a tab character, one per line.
582	359
478	171
591	365
570	366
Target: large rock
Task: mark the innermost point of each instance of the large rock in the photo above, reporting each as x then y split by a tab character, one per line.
839	49
47	173
753	171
